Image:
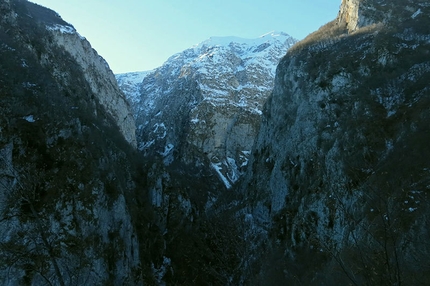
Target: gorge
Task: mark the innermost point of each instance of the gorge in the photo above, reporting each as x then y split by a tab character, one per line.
237	162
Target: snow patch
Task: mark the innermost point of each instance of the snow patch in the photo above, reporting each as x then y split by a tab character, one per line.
29	118
157	130
416	13
195	120
24	63
145	145
256	111
28	85
62	29
233	175
244	158
217	167
167	149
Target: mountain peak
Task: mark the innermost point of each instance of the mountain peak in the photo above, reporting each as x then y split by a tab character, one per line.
275	34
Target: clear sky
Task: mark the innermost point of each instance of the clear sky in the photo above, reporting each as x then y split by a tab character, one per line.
138	35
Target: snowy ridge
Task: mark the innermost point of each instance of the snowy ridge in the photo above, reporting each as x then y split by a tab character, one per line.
130	84
226	41
263	51
64	29
223	65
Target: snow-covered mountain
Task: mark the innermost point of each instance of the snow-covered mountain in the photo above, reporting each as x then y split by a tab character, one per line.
131	82
206	101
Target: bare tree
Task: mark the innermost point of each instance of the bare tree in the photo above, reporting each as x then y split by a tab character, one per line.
21	190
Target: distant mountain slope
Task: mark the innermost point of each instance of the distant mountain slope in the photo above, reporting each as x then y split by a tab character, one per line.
205	102
130	84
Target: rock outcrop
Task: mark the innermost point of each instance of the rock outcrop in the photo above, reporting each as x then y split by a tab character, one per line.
205	103
356	14
340	170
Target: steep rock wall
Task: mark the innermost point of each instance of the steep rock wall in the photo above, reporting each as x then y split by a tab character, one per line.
98	75
356	14
67	187
340	167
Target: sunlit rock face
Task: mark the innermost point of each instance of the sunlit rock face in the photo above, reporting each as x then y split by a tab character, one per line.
205	103
356	14
338	180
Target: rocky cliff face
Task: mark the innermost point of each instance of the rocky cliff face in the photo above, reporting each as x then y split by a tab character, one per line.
97	74
205	103
67	178
96	71
356	14
339	171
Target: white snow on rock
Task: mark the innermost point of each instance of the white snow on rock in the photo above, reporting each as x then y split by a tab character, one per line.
29	118
130	83
416	14
218	167
62	28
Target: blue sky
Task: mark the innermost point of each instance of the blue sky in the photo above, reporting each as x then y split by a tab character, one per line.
137	35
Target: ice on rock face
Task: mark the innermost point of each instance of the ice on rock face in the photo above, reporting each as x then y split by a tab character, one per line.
218	168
